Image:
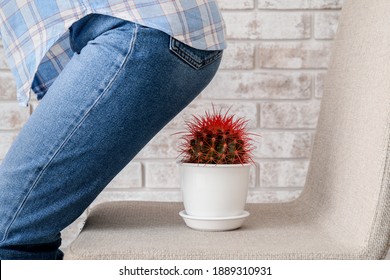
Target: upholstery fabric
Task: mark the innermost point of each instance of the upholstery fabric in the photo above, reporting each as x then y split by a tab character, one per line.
344	210
154	230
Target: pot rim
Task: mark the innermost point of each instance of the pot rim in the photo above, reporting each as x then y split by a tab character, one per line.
208	165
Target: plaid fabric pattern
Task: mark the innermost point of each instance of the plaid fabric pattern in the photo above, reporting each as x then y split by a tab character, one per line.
36	39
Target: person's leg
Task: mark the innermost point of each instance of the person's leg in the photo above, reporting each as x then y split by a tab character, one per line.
108	102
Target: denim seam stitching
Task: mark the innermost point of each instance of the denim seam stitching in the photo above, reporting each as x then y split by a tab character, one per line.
189	59
19	209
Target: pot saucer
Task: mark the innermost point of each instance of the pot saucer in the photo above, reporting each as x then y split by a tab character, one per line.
213	224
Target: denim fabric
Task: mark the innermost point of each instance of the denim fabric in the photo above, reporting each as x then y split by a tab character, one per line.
35	38
124	83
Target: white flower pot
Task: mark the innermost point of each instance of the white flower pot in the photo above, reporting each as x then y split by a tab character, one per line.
214	190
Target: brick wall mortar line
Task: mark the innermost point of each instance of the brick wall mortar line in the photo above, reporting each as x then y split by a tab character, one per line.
264	11
259	159
295	10
276	188
276	70
281	40
249	101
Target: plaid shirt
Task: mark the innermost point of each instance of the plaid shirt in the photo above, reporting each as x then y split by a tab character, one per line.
35	33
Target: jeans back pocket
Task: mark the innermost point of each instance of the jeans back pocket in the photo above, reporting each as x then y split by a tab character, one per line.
196	58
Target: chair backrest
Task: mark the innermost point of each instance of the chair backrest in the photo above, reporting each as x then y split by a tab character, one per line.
348	182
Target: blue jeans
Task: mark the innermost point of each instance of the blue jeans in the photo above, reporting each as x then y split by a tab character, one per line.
124	84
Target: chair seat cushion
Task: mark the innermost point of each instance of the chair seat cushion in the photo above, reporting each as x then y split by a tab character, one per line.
154	230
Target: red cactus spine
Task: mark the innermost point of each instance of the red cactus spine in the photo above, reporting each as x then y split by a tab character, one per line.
217	139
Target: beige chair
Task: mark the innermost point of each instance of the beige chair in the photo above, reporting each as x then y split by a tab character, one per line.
344	210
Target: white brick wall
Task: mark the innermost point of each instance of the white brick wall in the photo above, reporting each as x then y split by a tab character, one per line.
272	73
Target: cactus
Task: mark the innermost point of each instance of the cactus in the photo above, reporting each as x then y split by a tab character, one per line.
216	138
